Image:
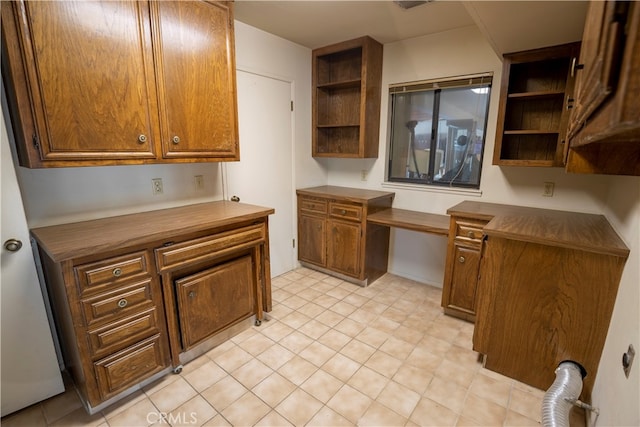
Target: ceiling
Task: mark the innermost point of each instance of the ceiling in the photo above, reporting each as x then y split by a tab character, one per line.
508	26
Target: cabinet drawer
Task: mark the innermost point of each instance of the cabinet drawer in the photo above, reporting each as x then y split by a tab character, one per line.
122	333
210	247
341	210
111	272
114	305
313	205
470	229
130	366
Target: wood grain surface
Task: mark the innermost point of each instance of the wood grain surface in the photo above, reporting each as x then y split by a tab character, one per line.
66	241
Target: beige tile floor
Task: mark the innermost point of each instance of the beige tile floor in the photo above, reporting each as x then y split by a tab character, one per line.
331	354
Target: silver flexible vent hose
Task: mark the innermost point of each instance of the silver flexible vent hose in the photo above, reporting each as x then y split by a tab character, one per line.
562	394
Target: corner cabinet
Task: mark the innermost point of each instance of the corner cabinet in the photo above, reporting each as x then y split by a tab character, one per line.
535	96
604	131
334	236
347	80
145	82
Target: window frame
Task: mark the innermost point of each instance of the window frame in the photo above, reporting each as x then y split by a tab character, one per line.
436	86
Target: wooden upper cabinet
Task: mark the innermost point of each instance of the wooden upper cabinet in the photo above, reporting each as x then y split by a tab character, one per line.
196	71
604	131
347	85
90	71
533	115
106	82
600	59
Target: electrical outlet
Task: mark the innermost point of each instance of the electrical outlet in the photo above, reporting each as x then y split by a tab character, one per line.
157	186
198	181
363	175
548	189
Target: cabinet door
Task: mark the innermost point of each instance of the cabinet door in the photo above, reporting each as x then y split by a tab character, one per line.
89	68
343	247
602	44
213	299
466	263
197	83
311	239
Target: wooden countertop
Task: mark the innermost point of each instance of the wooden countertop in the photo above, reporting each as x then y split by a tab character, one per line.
573	230
412	220
67	241
357	195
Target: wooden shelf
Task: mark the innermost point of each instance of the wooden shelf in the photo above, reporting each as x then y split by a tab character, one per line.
532	118
530	132
539	94
340	84
347	77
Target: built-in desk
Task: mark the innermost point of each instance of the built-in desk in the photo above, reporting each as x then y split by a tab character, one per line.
412	220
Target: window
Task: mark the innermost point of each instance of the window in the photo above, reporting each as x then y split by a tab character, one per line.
437	131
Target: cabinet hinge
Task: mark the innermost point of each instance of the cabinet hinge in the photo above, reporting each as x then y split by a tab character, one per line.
291	105
35	141
293	241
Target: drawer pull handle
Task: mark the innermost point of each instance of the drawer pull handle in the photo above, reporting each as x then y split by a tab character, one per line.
191	294
117	272
122	303
470	234
461	259
343	212
142	138
175	139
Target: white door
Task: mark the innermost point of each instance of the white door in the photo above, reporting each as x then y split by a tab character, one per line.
30	371
264	174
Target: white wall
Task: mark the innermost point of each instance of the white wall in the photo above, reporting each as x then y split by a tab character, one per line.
618	397
263	53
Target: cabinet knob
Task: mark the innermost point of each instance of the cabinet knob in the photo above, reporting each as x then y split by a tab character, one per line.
343	212
13	245
142	138
175	139
461	259
470	234
122	303
117	272
191	294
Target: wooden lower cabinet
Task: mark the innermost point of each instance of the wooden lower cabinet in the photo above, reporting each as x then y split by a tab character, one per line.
311	238
343	247
132	297
334	236
462	266
213	299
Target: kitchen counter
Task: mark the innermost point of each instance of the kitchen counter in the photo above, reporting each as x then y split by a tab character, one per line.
83	238
573	230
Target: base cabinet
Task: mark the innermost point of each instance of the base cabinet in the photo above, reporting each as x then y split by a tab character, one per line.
133	297
213	299
462	266
333	234
541	305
